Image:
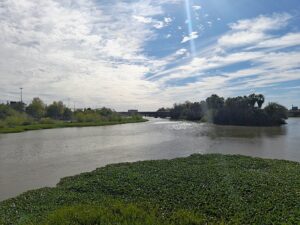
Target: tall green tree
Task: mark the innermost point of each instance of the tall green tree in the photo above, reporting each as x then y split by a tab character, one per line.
36	108
215	102
256	99
67	115
56	110
6	111
276	112
260	100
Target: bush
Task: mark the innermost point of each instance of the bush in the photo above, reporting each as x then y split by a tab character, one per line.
6	111
2	124
20	120
27	122
137	117
87	117
47	120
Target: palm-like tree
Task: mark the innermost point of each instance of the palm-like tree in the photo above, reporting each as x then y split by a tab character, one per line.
260	100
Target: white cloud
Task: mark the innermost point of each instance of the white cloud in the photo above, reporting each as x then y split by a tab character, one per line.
155	23
262	23
142	19
241	38
168	20
89	52
181	51
251	31
190	37
256	53
94	54
288	40
197	7
159	24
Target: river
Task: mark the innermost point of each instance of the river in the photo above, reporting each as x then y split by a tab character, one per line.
36	159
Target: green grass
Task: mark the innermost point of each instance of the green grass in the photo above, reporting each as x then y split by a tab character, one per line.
200	189
60	124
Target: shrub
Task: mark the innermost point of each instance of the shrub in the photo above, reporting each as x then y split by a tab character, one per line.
2	124
47	120
20	120
6	111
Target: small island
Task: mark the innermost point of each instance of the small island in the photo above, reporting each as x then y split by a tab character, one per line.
17	117
240	111
200	189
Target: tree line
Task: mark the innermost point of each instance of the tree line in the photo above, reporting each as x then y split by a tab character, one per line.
17	113
241	110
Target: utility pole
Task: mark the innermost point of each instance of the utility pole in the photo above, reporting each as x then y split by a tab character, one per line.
21	94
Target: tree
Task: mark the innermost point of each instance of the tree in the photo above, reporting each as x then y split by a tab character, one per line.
162	112
260	100
215	102
105	111
195	111
277	113
67	115
240	110
55	110
36	108
252	99
6	111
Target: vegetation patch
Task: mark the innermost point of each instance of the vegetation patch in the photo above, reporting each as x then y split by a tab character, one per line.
241	111
200	189
62	124
17	117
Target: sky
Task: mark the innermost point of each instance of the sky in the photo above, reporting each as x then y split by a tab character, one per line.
142	54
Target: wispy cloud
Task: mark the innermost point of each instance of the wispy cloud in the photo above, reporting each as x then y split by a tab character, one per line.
252	31
191	36
90	52
102	53
197	7
248	44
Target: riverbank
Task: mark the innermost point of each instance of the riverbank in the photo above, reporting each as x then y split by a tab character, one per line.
201	189
61	124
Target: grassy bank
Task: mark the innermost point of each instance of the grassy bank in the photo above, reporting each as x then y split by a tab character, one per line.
62	124
200	189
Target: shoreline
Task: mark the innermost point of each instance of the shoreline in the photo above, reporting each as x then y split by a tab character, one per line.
24	128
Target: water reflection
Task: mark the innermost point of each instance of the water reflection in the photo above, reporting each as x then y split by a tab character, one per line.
246	132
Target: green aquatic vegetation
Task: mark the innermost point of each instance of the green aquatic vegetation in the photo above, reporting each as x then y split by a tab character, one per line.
109	215
200	189
118	213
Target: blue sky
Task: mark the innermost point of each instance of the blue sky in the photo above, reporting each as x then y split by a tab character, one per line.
147	54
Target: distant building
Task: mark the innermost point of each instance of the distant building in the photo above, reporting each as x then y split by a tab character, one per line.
133	111
19	106
294	112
